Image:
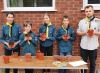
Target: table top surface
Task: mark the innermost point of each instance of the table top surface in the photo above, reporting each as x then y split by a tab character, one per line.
35	63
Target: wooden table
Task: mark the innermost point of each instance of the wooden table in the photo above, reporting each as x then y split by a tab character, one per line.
20	63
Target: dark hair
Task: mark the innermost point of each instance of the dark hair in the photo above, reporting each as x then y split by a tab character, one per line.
27	23
88	6
10	13
65	17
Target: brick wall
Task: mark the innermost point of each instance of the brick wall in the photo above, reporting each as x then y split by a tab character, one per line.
72	8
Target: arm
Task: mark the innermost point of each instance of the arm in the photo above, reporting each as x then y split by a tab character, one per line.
2	37
79	30
98	31
73	35
58	35
22	40
19	34
81	33
34	39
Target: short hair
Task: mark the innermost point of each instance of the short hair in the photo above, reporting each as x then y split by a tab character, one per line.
65	17
27	23
10	13
88	6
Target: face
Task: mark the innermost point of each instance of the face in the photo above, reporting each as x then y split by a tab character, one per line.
10	18
89	12
28	28
66	22
46	19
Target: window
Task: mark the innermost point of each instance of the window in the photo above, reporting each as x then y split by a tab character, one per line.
29	5
95	3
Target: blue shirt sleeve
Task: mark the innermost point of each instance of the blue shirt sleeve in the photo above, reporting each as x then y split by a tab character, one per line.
73	35
58	35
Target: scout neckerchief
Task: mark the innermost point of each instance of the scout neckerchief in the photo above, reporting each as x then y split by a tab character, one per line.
88	20
47	29
64	29
10	30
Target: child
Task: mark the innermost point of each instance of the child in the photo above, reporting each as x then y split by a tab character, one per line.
28	42
47	37
10	37
65	37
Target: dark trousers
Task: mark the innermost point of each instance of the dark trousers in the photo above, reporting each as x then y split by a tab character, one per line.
92	55
9	53
48	51
29	70
8	70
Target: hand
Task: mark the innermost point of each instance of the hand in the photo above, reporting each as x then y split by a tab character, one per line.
65	37
42	39
26	39
68	37
96	33
90	32
29	38
43	36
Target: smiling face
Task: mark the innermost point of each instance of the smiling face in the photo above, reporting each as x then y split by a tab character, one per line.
89	12
46	19
10	18
65	22
27	28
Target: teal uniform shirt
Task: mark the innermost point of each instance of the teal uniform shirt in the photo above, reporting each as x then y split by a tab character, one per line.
28	47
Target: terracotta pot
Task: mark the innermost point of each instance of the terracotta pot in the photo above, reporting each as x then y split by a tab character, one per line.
6	59
56	57
40	56
60	58
43	36
90	32
15	54
28	57
65	37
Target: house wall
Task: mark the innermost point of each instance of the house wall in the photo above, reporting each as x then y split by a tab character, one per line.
72	8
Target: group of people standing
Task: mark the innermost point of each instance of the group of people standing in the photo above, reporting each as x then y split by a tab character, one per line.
65	36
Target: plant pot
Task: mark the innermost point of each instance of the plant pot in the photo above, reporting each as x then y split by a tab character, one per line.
15	54
28	57
43	36
65	37
40	56
90	32
6	59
